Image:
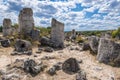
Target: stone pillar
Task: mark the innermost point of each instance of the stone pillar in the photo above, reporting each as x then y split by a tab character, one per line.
57	33
73	35
26	21
7	27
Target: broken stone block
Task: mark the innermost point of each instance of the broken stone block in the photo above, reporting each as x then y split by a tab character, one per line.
23	46
109	52
57	33
30	66
85	46
94	42
70	66
35	34
45	41
5	43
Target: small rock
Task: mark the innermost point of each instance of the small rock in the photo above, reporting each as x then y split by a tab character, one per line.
57	66
49	49
35	55
81	75
5	43
52	71
38	52
80	61
70	66
85	46
47	58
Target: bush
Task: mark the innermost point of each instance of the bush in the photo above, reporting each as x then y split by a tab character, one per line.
116	33
44	31
79	39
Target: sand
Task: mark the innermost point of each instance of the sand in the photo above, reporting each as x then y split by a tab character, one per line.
93	69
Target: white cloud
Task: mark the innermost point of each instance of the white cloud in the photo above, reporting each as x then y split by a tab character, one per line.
46	9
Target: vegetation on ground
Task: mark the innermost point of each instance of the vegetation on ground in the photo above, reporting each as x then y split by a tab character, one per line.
116	33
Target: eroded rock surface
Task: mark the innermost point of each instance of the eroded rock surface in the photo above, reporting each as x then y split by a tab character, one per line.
108	52
70	66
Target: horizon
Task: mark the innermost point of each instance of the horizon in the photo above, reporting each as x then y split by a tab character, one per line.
81	15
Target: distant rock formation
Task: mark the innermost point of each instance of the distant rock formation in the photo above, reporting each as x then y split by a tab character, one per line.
73	35
7	30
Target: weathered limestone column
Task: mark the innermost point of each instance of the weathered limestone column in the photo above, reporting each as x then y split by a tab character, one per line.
7	30
73	35
26	21
57	33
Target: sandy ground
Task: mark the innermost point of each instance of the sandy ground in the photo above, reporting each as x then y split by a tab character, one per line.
93	69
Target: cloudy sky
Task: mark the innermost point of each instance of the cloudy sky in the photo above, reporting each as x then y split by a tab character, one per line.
75	14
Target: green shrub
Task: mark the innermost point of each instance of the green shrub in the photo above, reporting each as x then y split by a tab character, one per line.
116	33
79	39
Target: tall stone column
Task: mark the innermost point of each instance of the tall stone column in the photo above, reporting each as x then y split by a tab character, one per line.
73	35
26	21
57	33
7	30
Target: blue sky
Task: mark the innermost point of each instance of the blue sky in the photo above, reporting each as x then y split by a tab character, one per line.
81	15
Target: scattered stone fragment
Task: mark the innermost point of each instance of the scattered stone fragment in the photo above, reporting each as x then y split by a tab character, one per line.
30	66
70	66
5	43
58	66
52	71
85	46
80	61
47	58
38	52
12	76
49	49
81	75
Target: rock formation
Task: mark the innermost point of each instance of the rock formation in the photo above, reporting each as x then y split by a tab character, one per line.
7	30
94	42
108	52
70	66
73	35
57	33
26	21
23	46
